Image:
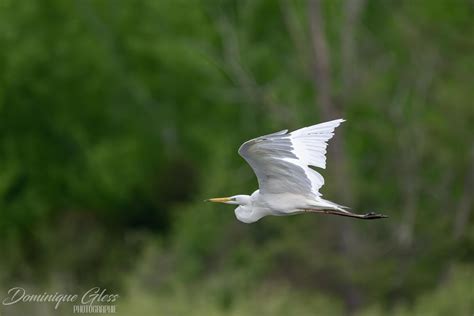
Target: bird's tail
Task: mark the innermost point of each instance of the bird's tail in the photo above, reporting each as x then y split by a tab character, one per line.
328	207
325	204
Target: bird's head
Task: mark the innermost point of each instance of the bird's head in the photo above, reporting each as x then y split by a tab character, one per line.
235	200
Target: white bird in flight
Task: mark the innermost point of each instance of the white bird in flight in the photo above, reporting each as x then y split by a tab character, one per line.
287	184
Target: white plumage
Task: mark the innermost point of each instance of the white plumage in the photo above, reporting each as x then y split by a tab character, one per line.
287	184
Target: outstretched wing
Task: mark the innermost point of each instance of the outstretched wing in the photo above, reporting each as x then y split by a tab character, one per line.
281	161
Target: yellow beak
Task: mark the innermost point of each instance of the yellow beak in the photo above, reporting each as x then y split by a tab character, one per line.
219	200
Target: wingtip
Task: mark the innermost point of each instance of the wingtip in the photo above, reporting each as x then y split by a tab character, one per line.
337	121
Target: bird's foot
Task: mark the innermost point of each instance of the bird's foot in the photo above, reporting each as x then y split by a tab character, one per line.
373	215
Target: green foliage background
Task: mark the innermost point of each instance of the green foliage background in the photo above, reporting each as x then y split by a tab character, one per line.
117	118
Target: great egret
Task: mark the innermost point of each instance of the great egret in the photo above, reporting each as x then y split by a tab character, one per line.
287	185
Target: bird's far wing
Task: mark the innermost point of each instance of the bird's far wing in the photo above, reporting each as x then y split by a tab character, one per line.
310	143
281	161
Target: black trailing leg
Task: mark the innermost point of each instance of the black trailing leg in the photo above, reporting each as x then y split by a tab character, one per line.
370	215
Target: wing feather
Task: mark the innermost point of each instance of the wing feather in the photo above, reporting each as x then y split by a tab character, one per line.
281	161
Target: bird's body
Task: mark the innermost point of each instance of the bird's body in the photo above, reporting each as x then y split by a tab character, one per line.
288	186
